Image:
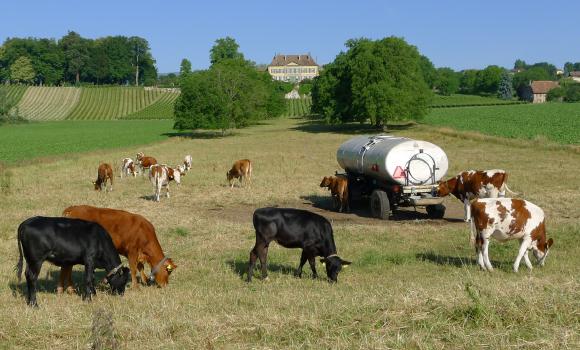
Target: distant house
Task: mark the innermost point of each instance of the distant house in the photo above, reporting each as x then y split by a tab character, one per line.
575	76
537	91
293	68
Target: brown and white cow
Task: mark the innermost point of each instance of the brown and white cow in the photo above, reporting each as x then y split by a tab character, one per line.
145	162
160	175
505	219
104	173
133	236
187	162
338	186
472	184
128	167
242	170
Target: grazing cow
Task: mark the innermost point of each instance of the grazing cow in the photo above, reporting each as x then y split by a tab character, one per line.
187	162
128	167
65	242
506	219
338	186
295	228
145	162
242	169
104	173
133	236
182	169
471	184
160	175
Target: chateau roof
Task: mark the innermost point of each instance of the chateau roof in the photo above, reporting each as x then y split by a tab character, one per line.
300	60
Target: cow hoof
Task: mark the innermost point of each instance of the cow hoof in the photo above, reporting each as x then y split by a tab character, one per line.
70	290
59	290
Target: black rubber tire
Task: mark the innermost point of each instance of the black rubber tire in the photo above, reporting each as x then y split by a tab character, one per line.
380	206
436	211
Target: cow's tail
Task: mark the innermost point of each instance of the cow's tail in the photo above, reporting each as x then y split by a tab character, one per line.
473	232
20	263
505	188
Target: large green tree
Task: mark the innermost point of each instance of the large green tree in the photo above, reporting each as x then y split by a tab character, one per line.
225	49
468	81
76	55
375	80
21	71
447	81
505	90
488	79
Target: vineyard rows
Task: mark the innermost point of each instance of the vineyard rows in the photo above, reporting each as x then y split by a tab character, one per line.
162	108
14	92
298	107
48	103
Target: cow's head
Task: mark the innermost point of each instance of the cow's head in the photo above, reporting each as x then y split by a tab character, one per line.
541	249
181	169
97	186
162	275
333	266
140	156
229	176
326	181
444	188
119	280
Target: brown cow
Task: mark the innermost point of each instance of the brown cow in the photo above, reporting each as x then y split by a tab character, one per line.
103	173
338	186
133	237
242	170
472	184
145	162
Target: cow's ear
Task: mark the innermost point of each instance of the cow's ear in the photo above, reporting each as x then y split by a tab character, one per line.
550	242
345	263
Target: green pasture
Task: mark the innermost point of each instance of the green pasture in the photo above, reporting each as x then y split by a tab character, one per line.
458	100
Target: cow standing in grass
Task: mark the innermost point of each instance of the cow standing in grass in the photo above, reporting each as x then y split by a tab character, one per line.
295	228
160	175
145	162
187	162
104	174
128	167
338	186
242	170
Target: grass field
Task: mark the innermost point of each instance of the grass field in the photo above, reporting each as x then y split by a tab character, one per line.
48	103
20	142
458	100
412	284
555	122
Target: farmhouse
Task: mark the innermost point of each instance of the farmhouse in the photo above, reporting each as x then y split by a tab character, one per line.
575	76
293	68
537	91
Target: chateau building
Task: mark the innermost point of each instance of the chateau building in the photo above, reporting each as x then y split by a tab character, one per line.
293	68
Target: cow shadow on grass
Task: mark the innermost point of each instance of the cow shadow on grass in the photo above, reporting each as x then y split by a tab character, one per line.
241	268
48	281
456	261
318	126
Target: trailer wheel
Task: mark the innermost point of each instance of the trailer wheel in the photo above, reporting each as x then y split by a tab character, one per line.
436	211
380	207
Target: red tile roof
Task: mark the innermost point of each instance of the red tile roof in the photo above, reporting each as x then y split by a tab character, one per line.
543	86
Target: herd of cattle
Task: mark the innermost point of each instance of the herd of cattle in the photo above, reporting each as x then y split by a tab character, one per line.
94	237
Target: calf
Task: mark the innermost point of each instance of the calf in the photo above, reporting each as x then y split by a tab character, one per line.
67	242
187	162
128	167
338	186
145	162
472	184
242	170
160	175
104	173
506	219
133	237
295	228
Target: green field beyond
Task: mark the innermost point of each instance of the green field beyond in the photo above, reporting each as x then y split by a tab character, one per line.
557	122
34	140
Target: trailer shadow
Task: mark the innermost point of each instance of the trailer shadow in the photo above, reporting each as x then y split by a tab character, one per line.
318	126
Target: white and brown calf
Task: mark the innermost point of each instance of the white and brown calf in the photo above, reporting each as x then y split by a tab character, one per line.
242	170
128	167
160	176
505	219
145	162
187	162
472	184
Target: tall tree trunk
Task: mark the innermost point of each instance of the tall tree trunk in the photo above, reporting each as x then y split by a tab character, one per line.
137	76
78	77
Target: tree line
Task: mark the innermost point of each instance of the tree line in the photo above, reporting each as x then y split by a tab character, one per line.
77	60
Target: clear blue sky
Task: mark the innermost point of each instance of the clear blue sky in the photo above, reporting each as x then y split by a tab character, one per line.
458	34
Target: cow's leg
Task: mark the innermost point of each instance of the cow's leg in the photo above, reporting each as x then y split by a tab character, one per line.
31	273
252	263
312	262
467	209
479	250
486	255
167	191
133	267
302	262
61	280
263	255
527	260
89	280
523	250
65	280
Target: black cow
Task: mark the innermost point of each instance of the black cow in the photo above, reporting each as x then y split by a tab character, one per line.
64	242
295	228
